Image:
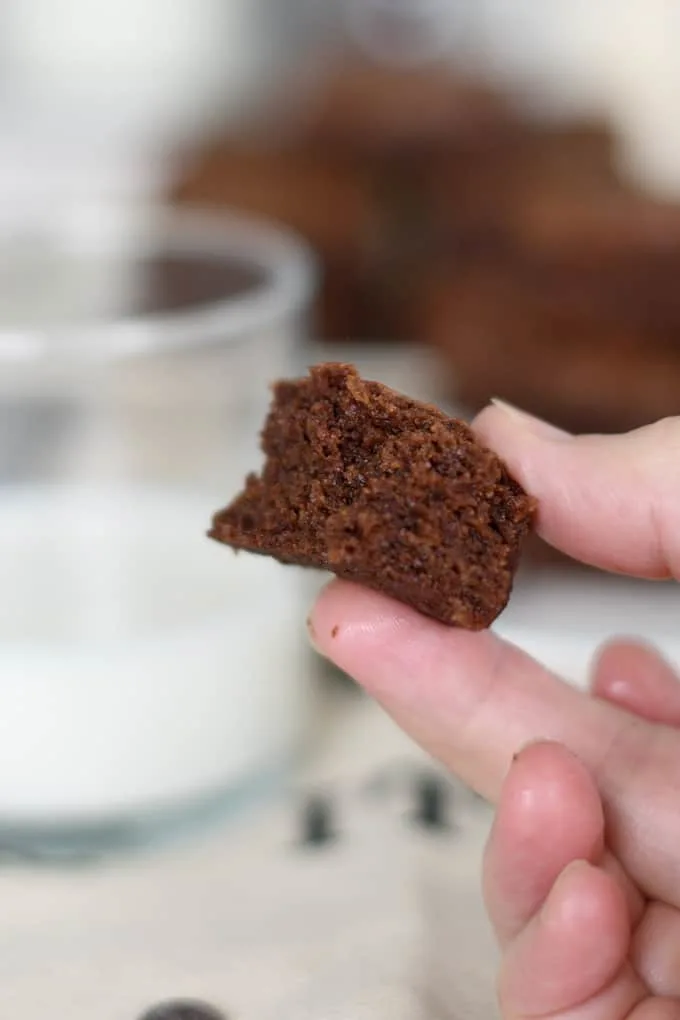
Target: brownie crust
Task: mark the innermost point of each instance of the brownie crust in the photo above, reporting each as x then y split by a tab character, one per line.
385	491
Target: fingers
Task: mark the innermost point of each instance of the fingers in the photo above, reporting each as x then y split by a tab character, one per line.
656	1009
471	700
563	910
639	680
656	949
549	815
610	501
571	956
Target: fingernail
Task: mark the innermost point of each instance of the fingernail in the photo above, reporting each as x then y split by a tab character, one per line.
537	427
311	635
520	752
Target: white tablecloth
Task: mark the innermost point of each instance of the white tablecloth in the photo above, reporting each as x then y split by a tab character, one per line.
384	921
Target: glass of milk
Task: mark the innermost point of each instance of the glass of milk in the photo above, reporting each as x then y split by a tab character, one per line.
146	673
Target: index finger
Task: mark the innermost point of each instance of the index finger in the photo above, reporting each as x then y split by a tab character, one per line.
470	699
610	501
473	700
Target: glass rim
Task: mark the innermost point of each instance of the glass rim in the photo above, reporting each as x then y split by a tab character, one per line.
287	264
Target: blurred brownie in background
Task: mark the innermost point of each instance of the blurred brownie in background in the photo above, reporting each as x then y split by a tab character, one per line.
388	112
471	195
578	321
329	201
341	174
440	212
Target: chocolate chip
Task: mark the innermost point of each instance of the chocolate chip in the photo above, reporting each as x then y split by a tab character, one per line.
183	1009
432	797
317	821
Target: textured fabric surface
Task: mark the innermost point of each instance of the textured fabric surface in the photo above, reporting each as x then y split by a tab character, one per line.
383	921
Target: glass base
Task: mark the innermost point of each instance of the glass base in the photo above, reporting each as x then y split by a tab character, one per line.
75	845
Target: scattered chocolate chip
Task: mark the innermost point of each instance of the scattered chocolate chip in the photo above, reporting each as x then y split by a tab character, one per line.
183	1009
317	821
432	795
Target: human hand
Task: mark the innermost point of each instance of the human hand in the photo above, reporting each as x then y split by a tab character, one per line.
582	868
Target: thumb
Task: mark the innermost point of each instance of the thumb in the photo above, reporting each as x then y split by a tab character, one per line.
611	501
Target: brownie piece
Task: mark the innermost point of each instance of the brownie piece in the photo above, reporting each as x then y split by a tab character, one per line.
385	491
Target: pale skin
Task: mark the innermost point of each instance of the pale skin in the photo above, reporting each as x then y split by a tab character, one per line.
582	867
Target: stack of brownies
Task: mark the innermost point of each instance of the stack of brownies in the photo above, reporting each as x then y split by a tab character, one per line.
443	214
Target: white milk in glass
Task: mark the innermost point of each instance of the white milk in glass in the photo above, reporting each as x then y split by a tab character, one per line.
141	664
144	670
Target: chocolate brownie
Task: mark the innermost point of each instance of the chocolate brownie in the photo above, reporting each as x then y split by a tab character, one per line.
333	203
385	491
477	189
618	225
328	200
382	111
588	362
577	320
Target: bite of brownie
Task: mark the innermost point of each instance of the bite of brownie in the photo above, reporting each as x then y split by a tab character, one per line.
385	491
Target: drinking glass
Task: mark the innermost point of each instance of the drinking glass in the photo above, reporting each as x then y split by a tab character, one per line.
146	673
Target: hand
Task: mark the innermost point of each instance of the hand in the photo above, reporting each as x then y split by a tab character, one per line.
582	869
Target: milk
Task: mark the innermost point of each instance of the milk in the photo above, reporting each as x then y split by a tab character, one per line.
141	665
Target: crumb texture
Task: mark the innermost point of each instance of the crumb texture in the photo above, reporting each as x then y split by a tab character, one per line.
384	491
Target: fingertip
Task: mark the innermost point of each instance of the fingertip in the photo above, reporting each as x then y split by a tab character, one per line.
546	756
607	500
612	667
348	623
636	677
549	813
531	449
363	630
501	418
620	651
549	786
